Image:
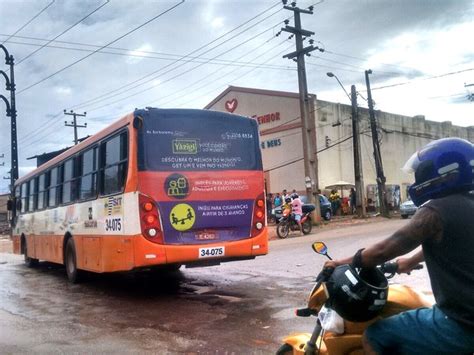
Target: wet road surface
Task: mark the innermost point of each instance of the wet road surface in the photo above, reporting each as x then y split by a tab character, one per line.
235	308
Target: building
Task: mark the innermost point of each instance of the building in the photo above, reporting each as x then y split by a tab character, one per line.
278	116
4	225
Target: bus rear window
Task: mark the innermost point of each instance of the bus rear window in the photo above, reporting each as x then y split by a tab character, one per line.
171	140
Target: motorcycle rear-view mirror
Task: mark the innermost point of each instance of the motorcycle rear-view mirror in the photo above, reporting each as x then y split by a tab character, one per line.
320	248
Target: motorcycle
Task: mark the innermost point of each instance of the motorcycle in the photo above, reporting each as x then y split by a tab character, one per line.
288	223
347	338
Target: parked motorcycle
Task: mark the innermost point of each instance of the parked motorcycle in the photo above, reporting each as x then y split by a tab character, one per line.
288	223
334	335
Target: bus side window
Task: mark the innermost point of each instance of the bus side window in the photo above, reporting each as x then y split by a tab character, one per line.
88	182
114	155
32	195
68	182
17	207
41	191
24	197
53	187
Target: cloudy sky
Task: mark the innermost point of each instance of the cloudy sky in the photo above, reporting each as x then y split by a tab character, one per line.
109	57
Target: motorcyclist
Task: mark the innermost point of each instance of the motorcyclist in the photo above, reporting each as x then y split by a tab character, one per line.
297	209
444	227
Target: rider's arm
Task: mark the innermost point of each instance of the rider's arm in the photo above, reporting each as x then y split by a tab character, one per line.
425	224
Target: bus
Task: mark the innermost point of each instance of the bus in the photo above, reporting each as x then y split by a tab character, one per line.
158	188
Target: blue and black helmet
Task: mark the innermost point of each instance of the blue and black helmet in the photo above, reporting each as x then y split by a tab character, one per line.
441	168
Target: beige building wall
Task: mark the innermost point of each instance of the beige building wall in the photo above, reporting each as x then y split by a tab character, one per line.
400	136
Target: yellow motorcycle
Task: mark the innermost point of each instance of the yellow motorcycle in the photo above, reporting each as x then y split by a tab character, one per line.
334	335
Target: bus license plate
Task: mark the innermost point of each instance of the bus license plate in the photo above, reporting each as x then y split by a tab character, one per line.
211	252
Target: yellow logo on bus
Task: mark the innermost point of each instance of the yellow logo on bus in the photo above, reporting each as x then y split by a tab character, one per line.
185	146
182	217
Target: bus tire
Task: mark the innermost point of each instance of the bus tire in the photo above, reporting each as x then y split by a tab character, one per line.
70	262
29	262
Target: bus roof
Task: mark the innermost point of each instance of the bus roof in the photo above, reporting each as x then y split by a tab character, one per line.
122	122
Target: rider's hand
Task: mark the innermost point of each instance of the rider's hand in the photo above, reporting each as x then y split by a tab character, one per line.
327	270
331	264
405	265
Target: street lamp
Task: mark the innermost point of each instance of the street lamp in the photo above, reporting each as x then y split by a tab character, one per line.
358	175
332	75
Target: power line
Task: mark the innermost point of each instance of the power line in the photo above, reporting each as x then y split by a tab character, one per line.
352	65
52	119
29	21
422	79
97	50
332	67
365	60
225	75
177	75
169	56
63	32
97	98
286	163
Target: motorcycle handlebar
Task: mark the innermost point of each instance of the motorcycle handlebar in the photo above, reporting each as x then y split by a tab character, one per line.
391	267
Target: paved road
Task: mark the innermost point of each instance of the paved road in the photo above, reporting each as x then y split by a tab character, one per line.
235	308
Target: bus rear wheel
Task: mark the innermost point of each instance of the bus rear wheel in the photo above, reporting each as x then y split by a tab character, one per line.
29	262
73	274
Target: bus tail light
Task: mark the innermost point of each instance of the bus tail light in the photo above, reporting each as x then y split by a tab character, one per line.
258	222
150	220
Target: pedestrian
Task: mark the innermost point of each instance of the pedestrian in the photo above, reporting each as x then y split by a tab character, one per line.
269	202
278	200
352	197
335	200
444	227
285	195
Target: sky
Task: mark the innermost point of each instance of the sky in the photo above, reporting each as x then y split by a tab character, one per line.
107	58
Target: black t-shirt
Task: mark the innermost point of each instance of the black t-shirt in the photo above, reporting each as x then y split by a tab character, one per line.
450	261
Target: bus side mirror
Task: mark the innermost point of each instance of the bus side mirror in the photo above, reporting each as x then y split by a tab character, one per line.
9	205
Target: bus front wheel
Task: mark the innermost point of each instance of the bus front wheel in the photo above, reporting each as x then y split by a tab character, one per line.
73	274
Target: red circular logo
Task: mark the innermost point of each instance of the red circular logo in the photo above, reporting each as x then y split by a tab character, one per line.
231	105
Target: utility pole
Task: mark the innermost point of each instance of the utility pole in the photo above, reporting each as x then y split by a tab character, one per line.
377	156
11	112
308	124
74	123
358	175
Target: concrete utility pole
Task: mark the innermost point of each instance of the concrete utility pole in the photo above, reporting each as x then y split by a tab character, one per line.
11	112
358	175
308	124
74	123
382	193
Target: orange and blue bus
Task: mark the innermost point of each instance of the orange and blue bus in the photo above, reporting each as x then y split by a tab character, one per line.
158	188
